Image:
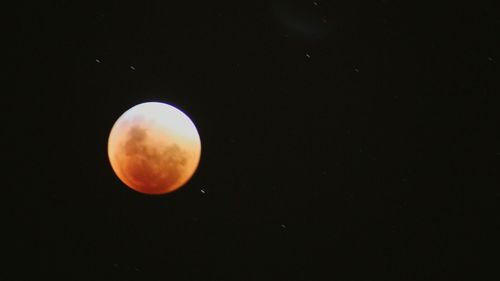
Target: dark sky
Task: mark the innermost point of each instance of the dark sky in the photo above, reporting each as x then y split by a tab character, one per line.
341	140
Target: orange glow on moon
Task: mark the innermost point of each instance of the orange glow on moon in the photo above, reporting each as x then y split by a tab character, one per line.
154	148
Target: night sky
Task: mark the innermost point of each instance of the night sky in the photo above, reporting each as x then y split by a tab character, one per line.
341	140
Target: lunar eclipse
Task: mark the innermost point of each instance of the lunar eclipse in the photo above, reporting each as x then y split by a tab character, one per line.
154	148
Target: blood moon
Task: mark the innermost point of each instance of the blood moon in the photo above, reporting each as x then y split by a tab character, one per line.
154	148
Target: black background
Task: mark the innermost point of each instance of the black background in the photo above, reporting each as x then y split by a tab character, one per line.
342	140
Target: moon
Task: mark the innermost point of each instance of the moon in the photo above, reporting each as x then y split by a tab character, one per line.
154	148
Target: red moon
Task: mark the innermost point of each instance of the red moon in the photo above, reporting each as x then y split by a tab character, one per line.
154	148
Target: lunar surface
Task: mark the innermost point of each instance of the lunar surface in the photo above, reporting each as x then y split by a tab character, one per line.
154	148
